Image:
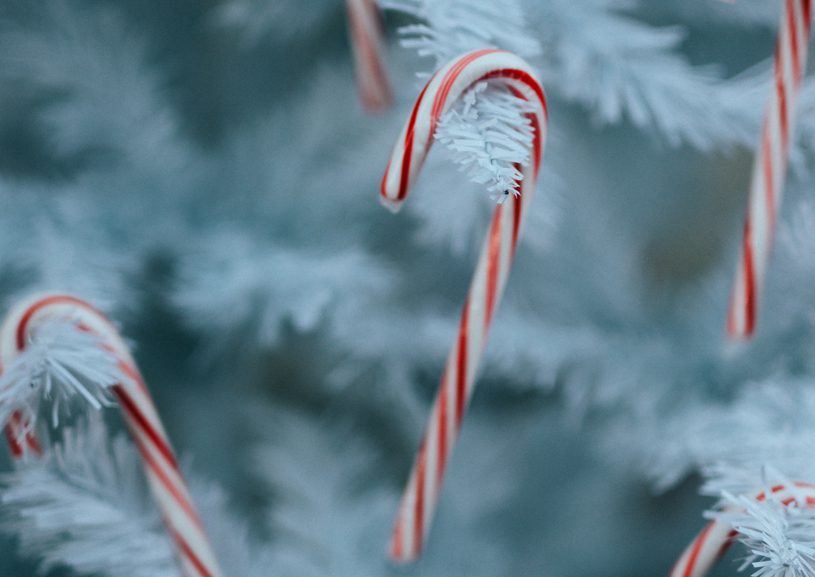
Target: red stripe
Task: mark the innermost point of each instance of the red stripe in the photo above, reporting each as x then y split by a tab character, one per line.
697	548
793	40
396	543
13	444
441	462
518	206
155	467
138	417
493	262
12	431
187	551
806	8
769	181
749	281
461	365
783	115
418	511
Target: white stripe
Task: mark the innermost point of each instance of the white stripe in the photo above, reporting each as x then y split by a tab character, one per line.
431	459
409	522
505	264
477	305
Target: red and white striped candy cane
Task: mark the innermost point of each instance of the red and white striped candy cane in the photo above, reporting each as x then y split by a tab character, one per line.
769	168
458	379
169	490
367	43
716	538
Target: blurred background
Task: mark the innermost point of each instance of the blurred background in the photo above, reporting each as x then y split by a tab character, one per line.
203	171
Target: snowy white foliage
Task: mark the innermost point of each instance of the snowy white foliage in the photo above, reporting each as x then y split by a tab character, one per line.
269	287
255	21
490	138
780	538
60	364
779	535
103	97
450	28
620	68
87	507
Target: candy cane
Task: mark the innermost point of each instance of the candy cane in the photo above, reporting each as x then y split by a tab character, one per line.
716	538
166	483
769	167
458	379
367	41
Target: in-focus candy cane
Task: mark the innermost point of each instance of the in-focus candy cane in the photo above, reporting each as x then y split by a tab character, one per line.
716	538
367	43
169	490
769	168
448	84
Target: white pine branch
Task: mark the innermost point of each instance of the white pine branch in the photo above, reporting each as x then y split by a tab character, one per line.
490	136
249	299
60	363
779	537
449	28
277	20
87	507
618	67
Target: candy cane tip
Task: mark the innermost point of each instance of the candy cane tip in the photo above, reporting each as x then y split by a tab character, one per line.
394	206
401	558
377	105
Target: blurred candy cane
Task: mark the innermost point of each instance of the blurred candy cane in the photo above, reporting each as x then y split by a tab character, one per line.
447	85
769	167
367	42
166	483
716	538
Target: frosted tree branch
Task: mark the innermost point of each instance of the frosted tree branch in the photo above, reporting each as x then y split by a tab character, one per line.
60	364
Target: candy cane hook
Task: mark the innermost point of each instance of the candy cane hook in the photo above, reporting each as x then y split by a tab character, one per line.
447	85
367	43
716	538
169	490
769	168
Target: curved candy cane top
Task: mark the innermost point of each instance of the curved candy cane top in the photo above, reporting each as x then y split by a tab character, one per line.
167	485
27	313
715	539
444	88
